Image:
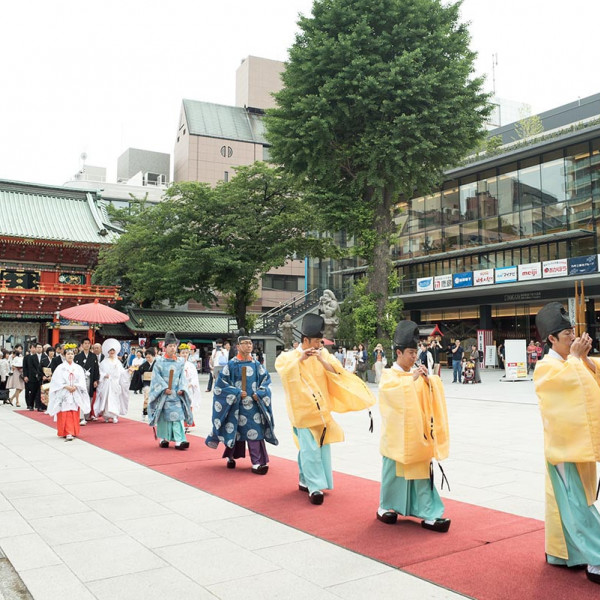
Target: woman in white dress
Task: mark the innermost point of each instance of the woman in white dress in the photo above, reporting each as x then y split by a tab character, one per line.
68	396
112	395
191	374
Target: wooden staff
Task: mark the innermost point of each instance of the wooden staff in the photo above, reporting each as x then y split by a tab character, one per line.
171	373
243	379
579	309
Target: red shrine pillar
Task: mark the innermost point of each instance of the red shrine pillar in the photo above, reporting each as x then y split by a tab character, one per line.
56	330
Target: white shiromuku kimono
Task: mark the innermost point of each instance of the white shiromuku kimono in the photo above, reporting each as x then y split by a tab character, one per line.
191	374
112	396
62	400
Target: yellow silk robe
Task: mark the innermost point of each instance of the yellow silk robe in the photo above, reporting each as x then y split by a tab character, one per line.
307	383
414	426
569	398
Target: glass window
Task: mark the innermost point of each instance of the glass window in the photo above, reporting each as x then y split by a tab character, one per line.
416	245
508	181
530	193
538	220
509	227
450	203
433	241
470	233
489	231
553	178
578	173
452	238
487	191
433	215
595	168
469	209
417	215
526	227
583	246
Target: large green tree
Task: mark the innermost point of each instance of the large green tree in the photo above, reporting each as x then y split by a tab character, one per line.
378	97
199	241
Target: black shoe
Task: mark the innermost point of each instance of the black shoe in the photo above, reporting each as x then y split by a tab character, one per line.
182	446
303	488
230	463
389	517
260	469
316	498
40	409
439	525
593	576
145	412
164	443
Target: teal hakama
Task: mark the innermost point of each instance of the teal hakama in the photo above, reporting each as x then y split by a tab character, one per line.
314	462
168	412
580	522
411	498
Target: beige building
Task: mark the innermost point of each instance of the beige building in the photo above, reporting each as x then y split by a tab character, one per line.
213	139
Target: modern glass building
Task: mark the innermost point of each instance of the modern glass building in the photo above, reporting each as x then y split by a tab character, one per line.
502	236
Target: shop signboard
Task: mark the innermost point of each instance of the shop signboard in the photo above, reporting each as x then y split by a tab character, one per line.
425	284
442	282
462	280
506	275
483	277
530	271
515	360
580	265
555	268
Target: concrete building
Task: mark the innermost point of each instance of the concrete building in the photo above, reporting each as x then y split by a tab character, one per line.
153	168
213	139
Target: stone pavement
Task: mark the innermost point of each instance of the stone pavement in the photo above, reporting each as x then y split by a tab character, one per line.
77	521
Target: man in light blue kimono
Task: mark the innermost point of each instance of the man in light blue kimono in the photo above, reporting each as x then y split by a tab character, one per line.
242	410
169	401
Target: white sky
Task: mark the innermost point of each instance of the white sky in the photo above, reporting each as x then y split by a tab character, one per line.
101	77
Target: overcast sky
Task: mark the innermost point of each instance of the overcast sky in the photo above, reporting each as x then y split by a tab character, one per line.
100	77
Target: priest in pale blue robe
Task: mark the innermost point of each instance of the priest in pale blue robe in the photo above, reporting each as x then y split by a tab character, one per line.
169	404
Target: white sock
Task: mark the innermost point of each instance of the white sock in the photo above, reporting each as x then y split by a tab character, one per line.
429	521
382	511
595	569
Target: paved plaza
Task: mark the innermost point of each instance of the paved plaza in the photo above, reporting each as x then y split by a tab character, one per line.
79	522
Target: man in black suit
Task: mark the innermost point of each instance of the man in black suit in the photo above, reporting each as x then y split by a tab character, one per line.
88	361
33	375
59	357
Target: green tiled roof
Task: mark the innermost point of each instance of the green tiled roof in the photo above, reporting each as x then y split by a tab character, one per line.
224	122
181	322
53	213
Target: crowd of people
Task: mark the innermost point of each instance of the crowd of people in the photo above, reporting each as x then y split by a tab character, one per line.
93	383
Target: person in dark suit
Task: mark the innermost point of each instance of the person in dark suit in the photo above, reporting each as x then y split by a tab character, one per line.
33	375
59	357
88	361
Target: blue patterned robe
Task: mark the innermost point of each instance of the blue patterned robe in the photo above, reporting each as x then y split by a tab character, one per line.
234	418
168	408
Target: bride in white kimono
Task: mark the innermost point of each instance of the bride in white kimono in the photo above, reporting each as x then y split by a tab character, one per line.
68	396
112	395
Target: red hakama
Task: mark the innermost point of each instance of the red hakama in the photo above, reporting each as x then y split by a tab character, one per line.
67	423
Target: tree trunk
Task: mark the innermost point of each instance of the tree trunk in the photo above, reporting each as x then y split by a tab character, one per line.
241	306
380	266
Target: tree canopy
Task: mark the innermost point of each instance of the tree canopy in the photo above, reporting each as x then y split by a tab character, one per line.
200	241
378	97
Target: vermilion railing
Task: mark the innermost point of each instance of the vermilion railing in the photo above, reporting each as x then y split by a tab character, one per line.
59	289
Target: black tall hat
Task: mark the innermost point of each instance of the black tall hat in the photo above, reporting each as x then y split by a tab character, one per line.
241	335
406	335
313	326
552	319
170	338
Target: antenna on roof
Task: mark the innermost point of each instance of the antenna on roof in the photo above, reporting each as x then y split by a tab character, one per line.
494	63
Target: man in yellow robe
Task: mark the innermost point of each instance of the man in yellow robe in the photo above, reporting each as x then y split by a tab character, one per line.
567	383
414	431
316	385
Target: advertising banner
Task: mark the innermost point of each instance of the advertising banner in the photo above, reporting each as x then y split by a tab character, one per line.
580	265
555	268
442	282
425	284
483	277
506	275
530	271
515	360
462	280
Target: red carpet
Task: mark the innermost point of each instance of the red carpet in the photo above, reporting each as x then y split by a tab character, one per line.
487	554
